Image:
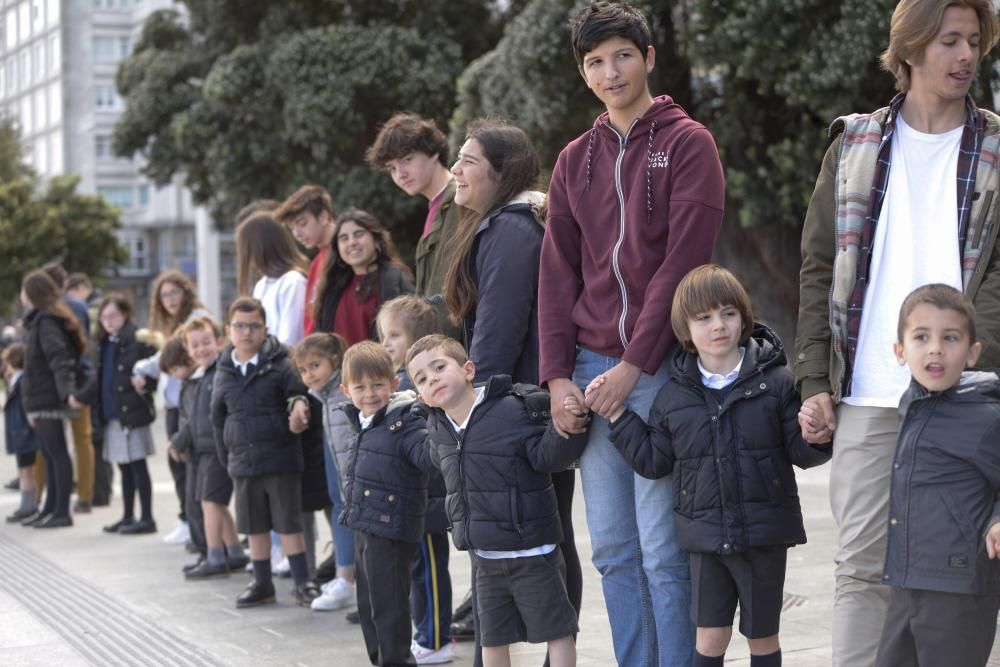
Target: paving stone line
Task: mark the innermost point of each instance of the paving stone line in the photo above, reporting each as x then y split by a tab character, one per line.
99	627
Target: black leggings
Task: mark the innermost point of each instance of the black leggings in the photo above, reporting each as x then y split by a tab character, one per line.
178	471
58	469
135	477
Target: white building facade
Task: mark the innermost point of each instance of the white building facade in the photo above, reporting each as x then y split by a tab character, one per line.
58	60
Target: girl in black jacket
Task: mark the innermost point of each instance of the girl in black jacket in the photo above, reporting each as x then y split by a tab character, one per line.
726	425
55	342
125	413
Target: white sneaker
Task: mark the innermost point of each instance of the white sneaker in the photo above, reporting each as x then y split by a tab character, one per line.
179	535
428	656
337	594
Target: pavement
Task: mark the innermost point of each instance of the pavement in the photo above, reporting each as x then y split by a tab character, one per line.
77	597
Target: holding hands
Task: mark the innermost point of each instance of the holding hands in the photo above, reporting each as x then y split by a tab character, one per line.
298	418
817	419
591	395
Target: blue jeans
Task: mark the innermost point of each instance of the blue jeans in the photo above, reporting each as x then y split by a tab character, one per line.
343	537
644	573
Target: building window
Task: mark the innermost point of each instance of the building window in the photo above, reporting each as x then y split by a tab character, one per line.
102	147
10	29
37	16
143	196
104	48
54	56
56	152
39	62
118	195
24	21
39	109
52	11
42	155
106	97
138	252
25	61
55	103
12	82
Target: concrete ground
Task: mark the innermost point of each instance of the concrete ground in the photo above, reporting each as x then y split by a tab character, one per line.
79	597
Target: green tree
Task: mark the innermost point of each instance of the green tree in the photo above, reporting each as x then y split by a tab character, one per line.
55	223
251	100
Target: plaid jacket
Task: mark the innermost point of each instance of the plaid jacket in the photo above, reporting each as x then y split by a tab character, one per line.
840	227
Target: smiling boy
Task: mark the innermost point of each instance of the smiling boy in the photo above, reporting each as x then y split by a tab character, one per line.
634	204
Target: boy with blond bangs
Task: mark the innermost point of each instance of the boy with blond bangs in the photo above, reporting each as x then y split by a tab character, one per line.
401	322
208	484
944	515
506	515
255	394
385	488
308	213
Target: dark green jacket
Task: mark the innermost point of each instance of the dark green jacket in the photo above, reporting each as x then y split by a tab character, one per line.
434	252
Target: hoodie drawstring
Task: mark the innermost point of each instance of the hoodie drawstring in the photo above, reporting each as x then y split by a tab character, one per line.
649	173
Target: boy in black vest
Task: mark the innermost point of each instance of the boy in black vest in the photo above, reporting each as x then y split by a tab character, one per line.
255	390
496	450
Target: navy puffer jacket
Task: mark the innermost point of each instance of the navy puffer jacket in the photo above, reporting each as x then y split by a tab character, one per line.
731	453
386	481
250	414
500	495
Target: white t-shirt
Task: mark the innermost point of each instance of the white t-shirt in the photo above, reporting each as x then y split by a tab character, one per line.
916	243
284	299
483	553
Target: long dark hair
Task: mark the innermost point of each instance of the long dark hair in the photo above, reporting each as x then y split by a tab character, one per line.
159	319
45	296
515	167
336	273
265	247
119	301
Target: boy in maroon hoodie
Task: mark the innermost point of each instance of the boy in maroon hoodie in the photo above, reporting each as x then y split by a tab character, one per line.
634	204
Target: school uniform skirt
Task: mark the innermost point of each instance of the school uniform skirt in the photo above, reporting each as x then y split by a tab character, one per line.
122	445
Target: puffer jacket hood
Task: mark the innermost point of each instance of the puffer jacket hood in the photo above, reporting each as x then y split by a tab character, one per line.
764	350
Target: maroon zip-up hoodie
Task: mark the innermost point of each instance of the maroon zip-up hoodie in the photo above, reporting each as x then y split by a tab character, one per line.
628	216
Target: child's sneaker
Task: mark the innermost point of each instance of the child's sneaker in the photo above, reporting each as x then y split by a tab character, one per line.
179	535
428	656
337	594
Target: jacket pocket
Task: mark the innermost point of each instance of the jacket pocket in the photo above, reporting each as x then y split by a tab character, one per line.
772	480
960	519
686	474
378	505
514	506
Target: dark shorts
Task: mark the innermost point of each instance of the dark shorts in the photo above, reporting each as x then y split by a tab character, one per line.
523	599
269	502
754	579
212	482
26	459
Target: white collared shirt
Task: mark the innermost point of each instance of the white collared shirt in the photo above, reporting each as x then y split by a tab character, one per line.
717	380
365	421
480	395
241	366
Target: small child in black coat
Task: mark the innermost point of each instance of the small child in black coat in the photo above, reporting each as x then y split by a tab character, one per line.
19	435
496	449
385	495
255	391
726	425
